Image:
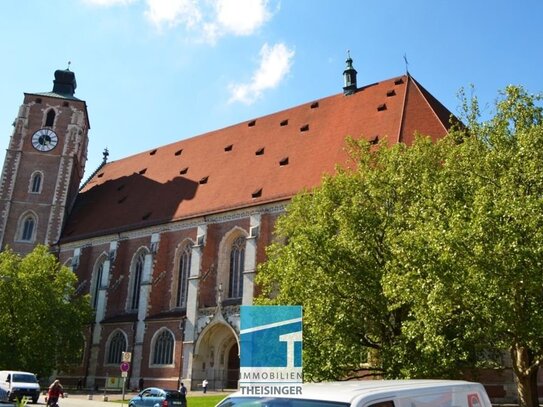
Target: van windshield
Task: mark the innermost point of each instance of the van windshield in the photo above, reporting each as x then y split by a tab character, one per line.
277	402
23	378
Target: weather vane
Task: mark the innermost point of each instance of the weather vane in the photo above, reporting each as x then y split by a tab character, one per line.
69	63
406	64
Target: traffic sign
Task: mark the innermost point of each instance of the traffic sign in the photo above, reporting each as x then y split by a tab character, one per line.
124	374
126	356
125	367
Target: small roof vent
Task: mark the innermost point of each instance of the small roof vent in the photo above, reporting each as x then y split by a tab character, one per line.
284	122
184	170
229	147
143	171
314	105
391	92
178	152
153	152
382	107
398	81
203	180
305	127
283	162
251	123
257	193
260	151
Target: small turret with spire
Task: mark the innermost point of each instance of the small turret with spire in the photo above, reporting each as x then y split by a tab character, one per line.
349	76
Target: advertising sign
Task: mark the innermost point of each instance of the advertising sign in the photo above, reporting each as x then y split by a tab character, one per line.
271	350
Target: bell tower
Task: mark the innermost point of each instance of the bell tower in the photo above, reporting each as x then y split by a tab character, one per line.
44	165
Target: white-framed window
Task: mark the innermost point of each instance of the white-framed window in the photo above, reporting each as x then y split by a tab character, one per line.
136	274
36	182
183	275
237	261
27	225
163	347
117	344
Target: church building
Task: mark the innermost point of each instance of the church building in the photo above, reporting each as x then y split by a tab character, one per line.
167	241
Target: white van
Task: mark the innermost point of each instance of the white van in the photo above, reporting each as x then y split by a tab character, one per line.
15	384
364	393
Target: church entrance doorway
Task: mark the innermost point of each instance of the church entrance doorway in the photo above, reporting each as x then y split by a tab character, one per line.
216	358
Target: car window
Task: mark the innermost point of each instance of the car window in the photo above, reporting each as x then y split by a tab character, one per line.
146	393
173	394
24	378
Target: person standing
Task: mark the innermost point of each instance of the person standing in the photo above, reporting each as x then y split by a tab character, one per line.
140	384
54	392
183	391
204	385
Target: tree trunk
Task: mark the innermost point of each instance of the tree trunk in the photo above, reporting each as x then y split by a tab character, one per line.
526	376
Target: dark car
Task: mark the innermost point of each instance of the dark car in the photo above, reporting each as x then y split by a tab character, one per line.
157	397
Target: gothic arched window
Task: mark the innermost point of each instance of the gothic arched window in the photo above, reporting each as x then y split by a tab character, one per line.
50	119
27	228
117	345
183	276
97	284
137	272
163	348
237	260
35	182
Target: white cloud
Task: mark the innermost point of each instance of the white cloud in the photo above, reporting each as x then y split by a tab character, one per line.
210	19
173	12
107	3
242	17
275	64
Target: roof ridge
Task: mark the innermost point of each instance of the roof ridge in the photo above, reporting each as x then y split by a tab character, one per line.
404	105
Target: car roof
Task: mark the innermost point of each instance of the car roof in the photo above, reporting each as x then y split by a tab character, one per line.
347	391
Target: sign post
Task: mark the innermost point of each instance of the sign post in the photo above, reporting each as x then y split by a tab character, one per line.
125	367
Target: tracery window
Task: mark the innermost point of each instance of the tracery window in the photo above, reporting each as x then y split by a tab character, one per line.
183	276
237	260
27	227
137	272
163	348
117	345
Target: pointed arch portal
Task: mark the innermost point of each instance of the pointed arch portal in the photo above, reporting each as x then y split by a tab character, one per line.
216	358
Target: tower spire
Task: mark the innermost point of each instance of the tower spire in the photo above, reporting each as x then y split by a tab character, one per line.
349	76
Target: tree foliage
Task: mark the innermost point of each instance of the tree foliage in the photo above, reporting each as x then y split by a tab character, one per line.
423	261
41	318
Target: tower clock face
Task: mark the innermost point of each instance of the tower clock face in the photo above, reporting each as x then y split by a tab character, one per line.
44	140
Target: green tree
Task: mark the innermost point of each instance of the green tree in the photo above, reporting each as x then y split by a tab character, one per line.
471	270
338	240
42	320
423	261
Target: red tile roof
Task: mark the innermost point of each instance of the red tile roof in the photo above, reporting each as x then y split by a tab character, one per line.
264	160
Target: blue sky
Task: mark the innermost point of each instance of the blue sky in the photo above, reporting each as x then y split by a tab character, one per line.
156	71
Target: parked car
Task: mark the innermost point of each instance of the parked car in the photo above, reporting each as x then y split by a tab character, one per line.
364	393
157	397
15	384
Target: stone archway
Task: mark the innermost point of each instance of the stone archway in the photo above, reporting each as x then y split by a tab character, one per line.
216	358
